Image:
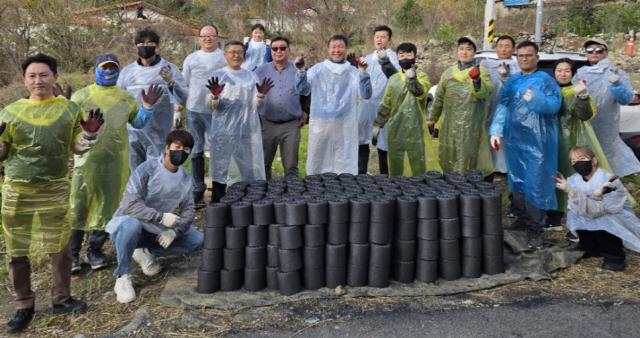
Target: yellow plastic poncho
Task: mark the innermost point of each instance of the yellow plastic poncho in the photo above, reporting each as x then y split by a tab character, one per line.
100	175
574	131
403	114
464	144
35	193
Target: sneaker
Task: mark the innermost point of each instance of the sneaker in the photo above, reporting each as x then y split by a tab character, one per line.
70	306
147	262
571	237
20	320
124	289
613	265
551	227
75	264
96	259
535	239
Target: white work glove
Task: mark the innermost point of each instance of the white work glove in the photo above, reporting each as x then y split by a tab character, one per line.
169	219
605	188
528	95
362	64
299	62
212	102
167	75
84	142
177	120
411	73
376	133
166	238
581	89
246	40
504	70
563	184
495	142
382	56
615	77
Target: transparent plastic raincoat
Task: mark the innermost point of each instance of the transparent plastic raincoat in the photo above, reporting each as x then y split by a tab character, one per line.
99	176
403	114
368	109
529	132
464	144
150	139
606	124
35	194
611	213
575	130
255	54
197	69
235	137
333	122
499	163
151	191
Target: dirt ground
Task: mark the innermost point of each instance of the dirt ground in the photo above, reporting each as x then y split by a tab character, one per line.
584	282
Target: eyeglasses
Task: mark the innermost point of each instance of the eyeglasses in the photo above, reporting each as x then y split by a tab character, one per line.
598	50
208	36
278	49
147	44
235	52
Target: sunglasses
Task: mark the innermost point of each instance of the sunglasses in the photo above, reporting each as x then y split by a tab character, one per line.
598	50
278	49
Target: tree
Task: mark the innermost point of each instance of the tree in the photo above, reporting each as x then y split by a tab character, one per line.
409	15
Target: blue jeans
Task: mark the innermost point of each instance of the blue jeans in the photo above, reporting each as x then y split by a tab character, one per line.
130	236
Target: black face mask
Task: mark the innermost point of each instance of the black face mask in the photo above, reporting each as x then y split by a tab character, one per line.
583	168
177	157
406	63
146	52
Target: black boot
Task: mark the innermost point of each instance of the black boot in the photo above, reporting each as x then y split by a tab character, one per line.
70	306
20	320
219	190
197	169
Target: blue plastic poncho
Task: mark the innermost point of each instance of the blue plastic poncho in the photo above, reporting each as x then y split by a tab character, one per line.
150	139
368	109
492	65
235	137
529	132
151	191
333	127
611	213
606	123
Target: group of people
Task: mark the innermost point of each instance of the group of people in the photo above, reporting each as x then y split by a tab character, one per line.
247	100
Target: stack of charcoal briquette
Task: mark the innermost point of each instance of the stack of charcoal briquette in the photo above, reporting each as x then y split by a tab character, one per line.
331	230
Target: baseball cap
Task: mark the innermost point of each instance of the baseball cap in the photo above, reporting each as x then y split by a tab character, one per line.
595	41
106	58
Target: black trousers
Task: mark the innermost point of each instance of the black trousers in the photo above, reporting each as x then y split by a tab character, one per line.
96	239
602	243
363	158
218	191
382	162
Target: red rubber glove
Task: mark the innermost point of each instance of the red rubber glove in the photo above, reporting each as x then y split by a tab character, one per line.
215	87
474	73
